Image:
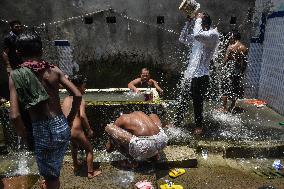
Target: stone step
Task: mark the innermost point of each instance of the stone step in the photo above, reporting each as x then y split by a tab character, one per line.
171	156
257	149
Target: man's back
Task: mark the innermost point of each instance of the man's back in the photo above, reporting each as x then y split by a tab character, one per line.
138	123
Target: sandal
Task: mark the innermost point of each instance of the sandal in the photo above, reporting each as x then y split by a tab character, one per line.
176	172
170	185
93	174
144	185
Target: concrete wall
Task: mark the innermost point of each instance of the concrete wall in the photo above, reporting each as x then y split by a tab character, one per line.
128	40
265	75
271	83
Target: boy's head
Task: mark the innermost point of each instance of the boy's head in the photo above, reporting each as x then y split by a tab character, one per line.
80	82
145	75
206	21
236	35
16	26
29	45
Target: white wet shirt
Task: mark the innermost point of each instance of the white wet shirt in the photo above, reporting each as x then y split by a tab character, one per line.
204	45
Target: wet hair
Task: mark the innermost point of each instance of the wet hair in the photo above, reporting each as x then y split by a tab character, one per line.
78	80
236	35
14	22
29	44
206	20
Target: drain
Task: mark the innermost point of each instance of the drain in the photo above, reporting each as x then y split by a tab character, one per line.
269	173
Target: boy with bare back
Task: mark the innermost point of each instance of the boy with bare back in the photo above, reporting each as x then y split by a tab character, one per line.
236	63
34	86
79	127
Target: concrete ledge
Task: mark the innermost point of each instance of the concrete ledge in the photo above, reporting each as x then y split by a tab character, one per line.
255	152
172	156
269	149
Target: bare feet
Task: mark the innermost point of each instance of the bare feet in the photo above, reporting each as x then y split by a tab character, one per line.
223	110
93	174
42	184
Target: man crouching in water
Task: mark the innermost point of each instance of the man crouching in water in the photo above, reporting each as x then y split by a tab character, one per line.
137	135
79	126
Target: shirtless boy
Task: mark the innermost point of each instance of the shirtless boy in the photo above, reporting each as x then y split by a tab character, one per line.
236	63
79	127
34	85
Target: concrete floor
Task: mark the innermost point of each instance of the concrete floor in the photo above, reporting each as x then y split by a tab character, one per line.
249	137
213	173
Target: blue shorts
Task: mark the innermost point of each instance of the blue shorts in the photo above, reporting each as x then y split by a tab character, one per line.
51	139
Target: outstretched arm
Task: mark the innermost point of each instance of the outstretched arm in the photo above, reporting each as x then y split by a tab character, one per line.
132	84
186	37
15	116
72	89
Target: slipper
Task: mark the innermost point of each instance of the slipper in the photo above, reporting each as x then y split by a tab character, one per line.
171	186
176	172
144	185
281	123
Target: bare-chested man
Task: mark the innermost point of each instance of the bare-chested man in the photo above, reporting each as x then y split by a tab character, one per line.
35	86
144	81
236	63
137	135
79	126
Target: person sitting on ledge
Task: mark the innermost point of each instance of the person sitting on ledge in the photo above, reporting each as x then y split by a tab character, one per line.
137	136
144	81
79	127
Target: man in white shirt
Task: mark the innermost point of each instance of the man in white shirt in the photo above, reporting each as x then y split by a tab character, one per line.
203	40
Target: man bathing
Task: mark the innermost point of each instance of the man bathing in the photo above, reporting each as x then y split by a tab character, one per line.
137	135
144	81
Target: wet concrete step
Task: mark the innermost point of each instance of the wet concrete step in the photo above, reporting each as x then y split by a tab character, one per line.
172	156
257	149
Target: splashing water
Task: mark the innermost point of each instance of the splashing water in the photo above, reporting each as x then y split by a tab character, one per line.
178	135
226	118
22	168
123	178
